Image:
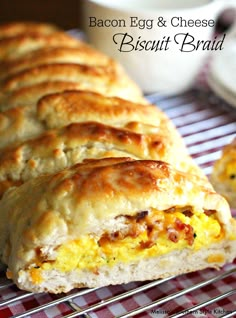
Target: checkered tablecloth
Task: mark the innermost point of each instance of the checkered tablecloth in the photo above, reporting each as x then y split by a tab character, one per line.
119	308
207	124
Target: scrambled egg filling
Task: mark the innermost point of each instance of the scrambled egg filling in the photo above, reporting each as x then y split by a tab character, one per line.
154	233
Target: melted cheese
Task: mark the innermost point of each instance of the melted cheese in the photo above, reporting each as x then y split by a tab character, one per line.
87	253
216	258
230	173
36	276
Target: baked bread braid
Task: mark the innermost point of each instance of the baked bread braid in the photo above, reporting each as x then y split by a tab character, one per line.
61	148
83	54
109	80
96	184
12	29
16	46
60	109
29	96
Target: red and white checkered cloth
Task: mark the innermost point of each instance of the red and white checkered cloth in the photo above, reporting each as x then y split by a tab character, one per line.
143	298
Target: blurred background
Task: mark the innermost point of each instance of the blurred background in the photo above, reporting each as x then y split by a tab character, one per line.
64	13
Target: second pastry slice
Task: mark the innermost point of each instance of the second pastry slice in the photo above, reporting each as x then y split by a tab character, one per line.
112	221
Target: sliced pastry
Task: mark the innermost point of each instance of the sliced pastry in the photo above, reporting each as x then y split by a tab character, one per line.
224	173
112	221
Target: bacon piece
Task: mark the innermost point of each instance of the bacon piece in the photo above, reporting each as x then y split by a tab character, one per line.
187	229
188	213
209	212
141	215
173	234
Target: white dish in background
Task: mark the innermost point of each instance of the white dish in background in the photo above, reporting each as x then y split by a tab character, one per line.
222	74
165	69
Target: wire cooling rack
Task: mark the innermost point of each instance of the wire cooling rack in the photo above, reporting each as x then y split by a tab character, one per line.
206	124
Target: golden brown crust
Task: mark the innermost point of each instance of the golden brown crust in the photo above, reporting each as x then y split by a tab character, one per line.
88	194
89	106
31	95
75	106
140	144
109	80
7	184
18	124
223	175
148	135
86	199
82	55
98	76
16	28
15	47
58	149
60	109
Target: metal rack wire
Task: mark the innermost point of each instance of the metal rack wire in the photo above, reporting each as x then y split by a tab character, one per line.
206	123
85	312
